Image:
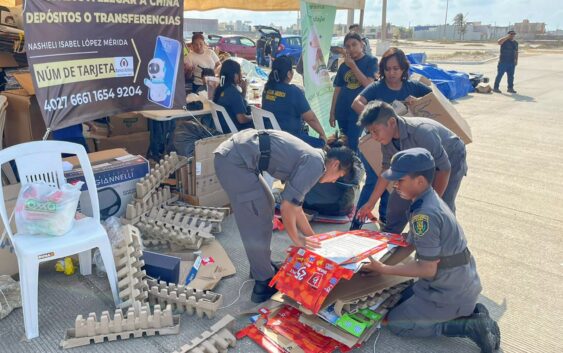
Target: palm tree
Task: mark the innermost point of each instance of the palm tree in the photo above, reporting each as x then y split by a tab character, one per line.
460	21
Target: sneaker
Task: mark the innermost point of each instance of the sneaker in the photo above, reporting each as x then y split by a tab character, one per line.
262	291
496	90
511	90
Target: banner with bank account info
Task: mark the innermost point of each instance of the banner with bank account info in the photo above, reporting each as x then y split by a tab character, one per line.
317	22
94	58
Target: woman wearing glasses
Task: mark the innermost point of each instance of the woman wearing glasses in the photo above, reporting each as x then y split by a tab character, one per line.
394	84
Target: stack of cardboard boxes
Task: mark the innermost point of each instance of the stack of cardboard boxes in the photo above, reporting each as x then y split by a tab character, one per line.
126	130
24	121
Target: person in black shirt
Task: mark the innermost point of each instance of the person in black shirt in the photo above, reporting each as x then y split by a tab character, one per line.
507	61
260	44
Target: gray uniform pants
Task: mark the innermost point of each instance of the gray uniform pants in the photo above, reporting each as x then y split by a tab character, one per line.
397	207
253	207
417	317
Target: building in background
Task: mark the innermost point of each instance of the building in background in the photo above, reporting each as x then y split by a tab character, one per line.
476	31
529	30
199	25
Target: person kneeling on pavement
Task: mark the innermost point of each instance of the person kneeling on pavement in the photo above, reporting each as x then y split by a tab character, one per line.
443	302
239	162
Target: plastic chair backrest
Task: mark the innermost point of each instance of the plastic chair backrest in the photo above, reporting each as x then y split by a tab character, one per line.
258	116
42	161
3	107
219	108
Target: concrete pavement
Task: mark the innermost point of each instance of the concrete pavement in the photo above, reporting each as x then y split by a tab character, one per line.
510	206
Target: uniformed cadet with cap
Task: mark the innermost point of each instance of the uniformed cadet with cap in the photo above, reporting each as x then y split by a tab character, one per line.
397	133
238	164
443	302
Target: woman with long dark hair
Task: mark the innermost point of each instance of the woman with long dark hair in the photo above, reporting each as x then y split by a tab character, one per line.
393	85
289	105
231	95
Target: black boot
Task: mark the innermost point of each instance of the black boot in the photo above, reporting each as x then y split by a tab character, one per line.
478	328
262	292
480	309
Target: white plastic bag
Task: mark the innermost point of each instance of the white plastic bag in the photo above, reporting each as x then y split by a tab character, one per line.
42	209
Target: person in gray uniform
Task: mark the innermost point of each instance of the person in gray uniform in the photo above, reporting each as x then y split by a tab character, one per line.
443	302
239	162
397	133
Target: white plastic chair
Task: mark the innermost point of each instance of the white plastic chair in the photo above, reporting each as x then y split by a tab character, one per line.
219	108
258	116
42	161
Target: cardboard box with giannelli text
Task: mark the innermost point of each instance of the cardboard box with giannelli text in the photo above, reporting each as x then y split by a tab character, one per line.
117	173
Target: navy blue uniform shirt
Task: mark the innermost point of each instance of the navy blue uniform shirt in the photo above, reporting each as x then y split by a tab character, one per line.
350	87
380	91
288	103
233	101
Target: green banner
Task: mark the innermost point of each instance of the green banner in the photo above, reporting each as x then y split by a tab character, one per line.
317	23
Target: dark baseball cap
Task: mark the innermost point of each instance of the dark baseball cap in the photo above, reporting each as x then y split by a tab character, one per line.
409	161
511	32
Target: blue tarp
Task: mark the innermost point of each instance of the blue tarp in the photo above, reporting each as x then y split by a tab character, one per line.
416	58
453	84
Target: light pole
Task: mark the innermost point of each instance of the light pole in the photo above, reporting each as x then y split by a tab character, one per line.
384	21
446	19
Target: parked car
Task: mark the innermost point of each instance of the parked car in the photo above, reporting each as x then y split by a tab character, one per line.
336	50
289	45
235	45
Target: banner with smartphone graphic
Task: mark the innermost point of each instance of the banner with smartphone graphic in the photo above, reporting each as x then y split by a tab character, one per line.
97	58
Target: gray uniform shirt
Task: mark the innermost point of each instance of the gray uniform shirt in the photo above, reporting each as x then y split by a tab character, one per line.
446	147
435	233
292	161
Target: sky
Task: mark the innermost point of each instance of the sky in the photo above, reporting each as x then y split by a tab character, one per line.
419	12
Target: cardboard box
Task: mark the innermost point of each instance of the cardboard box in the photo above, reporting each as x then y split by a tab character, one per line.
436	106
421	79
99	157
116	173
7	60
310	279
127	123
200	183
24	121
215	199
161	267
209	275
371	149
137	143
483	88
8	260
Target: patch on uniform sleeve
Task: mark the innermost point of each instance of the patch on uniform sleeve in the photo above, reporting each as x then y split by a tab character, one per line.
420	224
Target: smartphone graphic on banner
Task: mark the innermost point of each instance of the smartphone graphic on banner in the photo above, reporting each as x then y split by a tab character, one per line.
163	70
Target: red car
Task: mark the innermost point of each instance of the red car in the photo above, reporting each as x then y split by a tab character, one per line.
235	45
